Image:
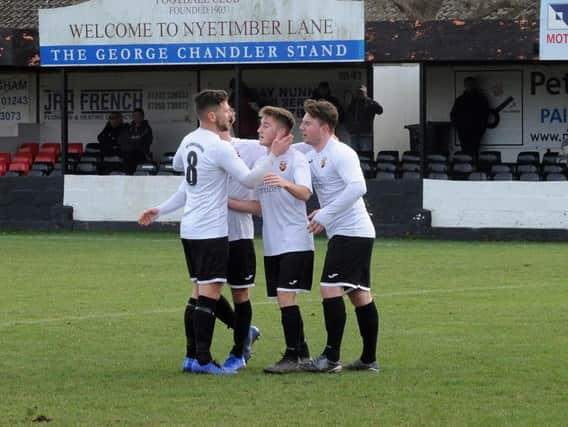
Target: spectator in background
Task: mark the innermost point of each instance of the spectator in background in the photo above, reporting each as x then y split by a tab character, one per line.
247	111
360	115
323	91
114	131
135	147
470	115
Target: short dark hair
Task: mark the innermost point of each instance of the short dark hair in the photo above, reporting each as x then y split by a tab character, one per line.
139	110
323	110
209	98
281	115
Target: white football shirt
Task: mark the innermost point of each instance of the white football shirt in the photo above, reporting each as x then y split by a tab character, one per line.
241	225
207	161
284	218
333	170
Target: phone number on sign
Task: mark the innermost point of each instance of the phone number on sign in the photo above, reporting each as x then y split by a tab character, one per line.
10	115
14	100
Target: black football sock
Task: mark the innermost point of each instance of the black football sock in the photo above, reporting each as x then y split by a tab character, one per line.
303	350
204	324
225	313
243	317
189	330
335	318
368	320
291	320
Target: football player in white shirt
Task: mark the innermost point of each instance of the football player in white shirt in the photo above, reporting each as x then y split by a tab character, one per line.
339	184
288	245
242	258
207	162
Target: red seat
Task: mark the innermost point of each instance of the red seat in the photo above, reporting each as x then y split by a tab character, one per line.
21	167
75	148
3	168
45	157
5	157
51	146
31	147
24	157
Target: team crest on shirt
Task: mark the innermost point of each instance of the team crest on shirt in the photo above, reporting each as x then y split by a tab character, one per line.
283	166
323	162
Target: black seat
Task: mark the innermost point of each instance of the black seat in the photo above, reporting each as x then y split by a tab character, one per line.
500	169
386	167
528	158
546	169
529	176
461	171
410	176
112	164
385	176
87	168
438	175
477	176
436	158
555	177
90	158
503	176
119	173
410	167
460	157
46	168
526	168
165	173
550	158
437	167
491	154
387	157
410	157
487	159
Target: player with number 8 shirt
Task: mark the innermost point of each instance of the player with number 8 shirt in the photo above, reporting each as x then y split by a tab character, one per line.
207	162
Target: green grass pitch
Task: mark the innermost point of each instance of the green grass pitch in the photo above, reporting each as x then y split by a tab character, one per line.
91	334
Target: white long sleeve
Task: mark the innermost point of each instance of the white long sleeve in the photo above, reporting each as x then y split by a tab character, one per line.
173	203
352	192
238	169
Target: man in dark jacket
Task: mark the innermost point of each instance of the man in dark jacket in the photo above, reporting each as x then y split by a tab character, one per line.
111	135
360	115
136	147
469	116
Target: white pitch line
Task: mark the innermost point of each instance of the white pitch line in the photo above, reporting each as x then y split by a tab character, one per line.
6	325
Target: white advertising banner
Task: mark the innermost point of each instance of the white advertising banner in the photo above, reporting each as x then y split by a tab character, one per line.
15	102
554	30
504	92
165	96
531	101
145	32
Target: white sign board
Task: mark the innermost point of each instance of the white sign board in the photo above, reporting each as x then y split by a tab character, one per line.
15	102
165	96
146	32
504	92
554	30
